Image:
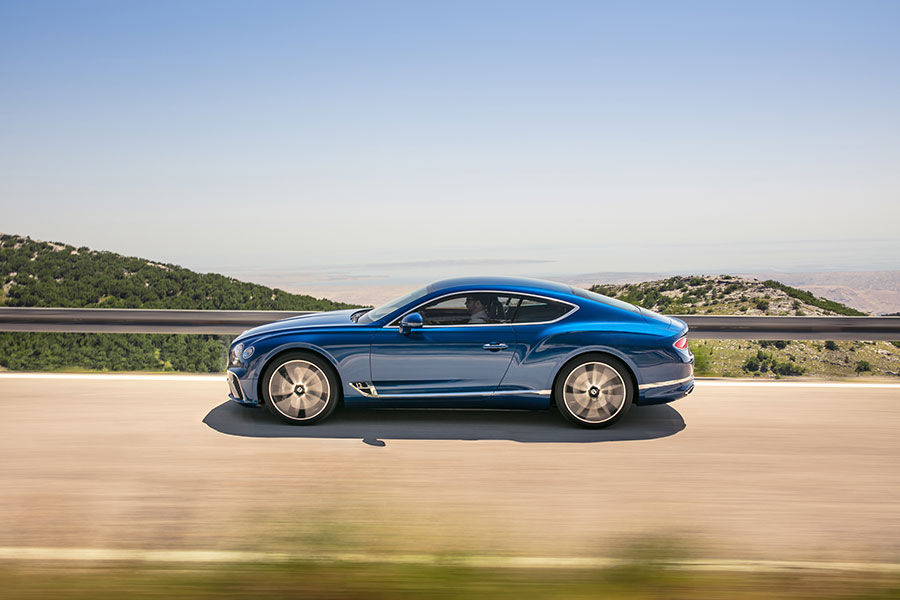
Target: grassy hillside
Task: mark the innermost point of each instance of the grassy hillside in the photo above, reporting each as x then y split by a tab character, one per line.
52	274
723	295
729	295
35	273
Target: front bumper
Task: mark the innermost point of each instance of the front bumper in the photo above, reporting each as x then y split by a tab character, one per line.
237	390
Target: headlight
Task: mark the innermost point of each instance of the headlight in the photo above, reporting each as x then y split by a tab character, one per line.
236	354
239	353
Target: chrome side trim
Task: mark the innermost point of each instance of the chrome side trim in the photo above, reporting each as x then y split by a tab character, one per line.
648	386
523	393
575	307
439	395
369	391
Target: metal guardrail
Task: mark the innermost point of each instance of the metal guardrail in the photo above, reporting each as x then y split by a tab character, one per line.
793	328
137	320
233	322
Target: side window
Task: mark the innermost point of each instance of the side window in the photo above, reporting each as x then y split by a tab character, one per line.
476	308
539	310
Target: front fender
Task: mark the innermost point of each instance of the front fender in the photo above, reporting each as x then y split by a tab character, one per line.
347	351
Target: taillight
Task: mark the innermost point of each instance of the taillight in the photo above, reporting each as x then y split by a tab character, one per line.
681	344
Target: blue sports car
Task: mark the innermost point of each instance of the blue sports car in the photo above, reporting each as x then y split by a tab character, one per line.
468	342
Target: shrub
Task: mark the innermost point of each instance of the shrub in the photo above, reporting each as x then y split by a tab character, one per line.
787	368
702	359
780	344
829	345
764	362
762	304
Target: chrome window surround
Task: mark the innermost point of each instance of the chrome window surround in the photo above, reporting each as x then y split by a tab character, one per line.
395	322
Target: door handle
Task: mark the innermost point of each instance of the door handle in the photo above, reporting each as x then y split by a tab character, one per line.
494	347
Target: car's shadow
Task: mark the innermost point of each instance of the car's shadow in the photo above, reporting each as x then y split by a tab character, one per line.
373	426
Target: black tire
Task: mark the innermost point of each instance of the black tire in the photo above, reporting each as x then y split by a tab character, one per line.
593	390
308	400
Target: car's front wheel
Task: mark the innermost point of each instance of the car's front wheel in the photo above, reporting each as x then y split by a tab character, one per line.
593	390
300	388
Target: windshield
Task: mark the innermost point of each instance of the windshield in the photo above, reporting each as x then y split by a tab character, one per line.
386	309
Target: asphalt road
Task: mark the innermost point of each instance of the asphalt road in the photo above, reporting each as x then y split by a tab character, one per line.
756	471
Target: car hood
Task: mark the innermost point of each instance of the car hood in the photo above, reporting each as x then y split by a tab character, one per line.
322	319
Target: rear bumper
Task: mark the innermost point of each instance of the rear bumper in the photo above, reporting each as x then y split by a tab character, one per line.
665	391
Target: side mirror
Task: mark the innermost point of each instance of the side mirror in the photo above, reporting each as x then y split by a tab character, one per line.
410	322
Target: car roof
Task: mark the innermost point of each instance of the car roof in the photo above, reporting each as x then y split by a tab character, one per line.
521	284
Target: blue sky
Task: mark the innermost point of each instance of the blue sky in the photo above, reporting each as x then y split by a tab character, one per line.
599	136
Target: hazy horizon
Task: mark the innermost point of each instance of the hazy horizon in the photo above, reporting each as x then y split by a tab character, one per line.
376	282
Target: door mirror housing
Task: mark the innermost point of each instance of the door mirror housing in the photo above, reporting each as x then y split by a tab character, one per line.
409	322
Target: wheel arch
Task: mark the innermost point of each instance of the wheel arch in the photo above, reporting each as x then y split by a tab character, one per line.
629	369
303	349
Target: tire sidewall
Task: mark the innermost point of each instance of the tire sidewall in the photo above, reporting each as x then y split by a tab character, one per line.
573	364
333	384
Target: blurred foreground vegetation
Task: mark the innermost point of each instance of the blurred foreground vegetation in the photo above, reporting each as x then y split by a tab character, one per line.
637	580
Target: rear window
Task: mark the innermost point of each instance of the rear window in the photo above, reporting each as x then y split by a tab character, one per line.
603	299
538	310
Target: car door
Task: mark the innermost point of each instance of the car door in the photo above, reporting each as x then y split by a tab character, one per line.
532	318
463	348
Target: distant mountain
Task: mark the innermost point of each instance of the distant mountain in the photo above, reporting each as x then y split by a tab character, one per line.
724	295
731	295
877	292
35	273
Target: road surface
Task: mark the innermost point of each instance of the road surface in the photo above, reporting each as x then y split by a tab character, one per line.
737	471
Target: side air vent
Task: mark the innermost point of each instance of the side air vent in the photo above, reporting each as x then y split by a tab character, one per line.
364	388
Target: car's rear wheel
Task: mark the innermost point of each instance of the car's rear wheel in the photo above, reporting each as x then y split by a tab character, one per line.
300	388
594	390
